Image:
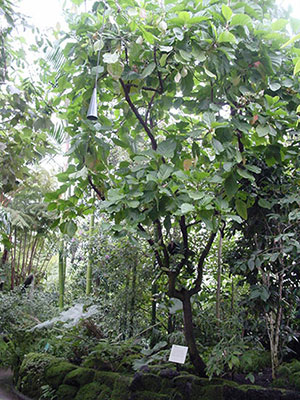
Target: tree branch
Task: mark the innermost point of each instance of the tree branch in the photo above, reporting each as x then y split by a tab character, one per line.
99	193
138	115
202	258
152	244
158	72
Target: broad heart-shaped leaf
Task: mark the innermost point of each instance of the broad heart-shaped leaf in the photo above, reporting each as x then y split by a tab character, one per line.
241	208
186	208
226	36
297	67
148	70
115	70
178	33
231	186
111	58
70	228
241	19
164	172
167	148
227	12
264	204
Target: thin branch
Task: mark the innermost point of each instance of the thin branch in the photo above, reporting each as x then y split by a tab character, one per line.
138	115
202	258
99	193
158	72
161	242
194	223
152	244
149	89
149	107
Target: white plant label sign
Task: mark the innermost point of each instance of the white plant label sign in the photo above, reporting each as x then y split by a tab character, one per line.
178	354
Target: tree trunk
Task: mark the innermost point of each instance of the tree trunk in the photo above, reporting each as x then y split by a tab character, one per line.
132	298
61	274
196	360
90	260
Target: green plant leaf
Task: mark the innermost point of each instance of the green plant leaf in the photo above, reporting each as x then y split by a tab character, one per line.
227	12
241	19
241	208
297	67
226	36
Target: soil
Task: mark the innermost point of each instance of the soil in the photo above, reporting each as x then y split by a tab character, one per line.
263	378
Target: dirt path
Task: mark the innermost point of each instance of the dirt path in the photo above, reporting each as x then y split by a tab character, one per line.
6	391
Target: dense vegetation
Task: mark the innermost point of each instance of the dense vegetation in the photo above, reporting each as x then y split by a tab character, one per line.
175	219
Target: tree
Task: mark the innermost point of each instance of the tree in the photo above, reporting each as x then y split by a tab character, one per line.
192	93
268	252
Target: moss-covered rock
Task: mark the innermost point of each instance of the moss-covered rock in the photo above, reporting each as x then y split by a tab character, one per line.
146	395
91	391
112	357
146	382
56	372
105	393
121	389
66	392
106	378
79	377
32	374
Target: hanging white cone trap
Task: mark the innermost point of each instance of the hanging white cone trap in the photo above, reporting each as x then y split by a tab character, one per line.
92	111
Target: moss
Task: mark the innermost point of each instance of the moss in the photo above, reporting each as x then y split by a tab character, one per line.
294	366
214	392
79	377
91	391
283	371
106	378
149	396
280	383
254	361
146	381
121	389
32	374
56	372
105	393
66	392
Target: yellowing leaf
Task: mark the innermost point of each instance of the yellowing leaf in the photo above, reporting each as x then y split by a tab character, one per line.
187	164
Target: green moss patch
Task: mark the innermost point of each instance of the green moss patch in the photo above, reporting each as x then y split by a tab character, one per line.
66	392
106	378
149	396
121	389
91	391
56	372
32	373
146	381
79	377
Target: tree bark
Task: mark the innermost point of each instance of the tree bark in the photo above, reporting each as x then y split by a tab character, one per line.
196	360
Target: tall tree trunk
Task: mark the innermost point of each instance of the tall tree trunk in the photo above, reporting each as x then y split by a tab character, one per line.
219	279
90	260
24	255
132	297
61	282
13	261
196	360
124	318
